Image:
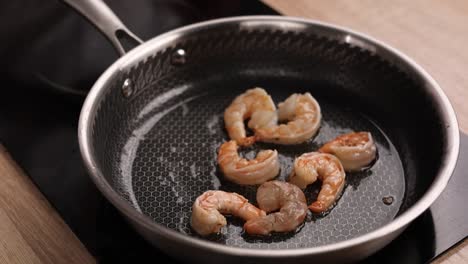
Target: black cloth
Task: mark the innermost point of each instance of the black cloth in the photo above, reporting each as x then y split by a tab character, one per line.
46	45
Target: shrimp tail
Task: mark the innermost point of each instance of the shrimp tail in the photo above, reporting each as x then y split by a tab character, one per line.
325	148
247	141
317	206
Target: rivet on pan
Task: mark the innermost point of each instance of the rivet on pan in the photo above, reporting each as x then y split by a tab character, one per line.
127	88
179	57
388	200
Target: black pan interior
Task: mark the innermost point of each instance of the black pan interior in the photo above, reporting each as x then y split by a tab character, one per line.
158	147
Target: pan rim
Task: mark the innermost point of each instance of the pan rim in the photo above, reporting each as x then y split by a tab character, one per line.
139	53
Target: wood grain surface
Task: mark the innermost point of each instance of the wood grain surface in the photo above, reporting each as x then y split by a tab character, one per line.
432	32
30	229
456	255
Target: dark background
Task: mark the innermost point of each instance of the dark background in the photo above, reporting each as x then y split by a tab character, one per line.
50	57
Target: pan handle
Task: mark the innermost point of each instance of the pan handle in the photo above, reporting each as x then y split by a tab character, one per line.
101	16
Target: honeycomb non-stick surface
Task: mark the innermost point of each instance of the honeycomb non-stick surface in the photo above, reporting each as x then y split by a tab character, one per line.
173	160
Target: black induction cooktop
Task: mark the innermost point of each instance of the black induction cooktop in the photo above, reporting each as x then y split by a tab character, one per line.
39	111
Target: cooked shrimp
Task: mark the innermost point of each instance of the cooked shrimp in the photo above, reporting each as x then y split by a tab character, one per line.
304	116
208	208
255	104
355	150
274	195
247	172
327	168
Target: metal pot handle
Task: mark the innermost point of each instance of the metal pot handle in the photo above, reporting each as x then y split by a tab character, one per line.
101	16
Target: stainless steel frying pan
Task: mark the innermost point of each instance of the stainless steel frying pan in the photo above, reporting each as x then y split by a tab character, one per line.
151	124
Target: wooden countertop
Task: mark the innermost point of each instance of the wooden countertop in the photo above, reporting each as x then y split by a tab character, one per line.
31	231
434	33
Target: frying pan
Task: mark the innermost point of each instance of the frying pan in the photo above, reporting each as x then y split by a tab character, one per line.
151	124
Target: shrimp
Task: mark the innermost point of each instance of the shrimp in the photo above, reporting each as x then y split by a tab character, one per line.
327	168
274	195
355	150
304	116
255	104
247	172
208	208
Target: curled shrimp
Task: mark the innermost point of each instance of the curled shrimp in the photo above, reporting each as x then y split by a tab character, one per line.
247	172
208	208
355	150
327	168
255	104
274	195
303	115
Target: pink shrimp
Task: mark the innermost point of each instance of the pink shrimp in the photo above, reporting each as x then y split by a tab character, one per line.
303	115
327	168
255	104
355	150
274	195
208	208
247	172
